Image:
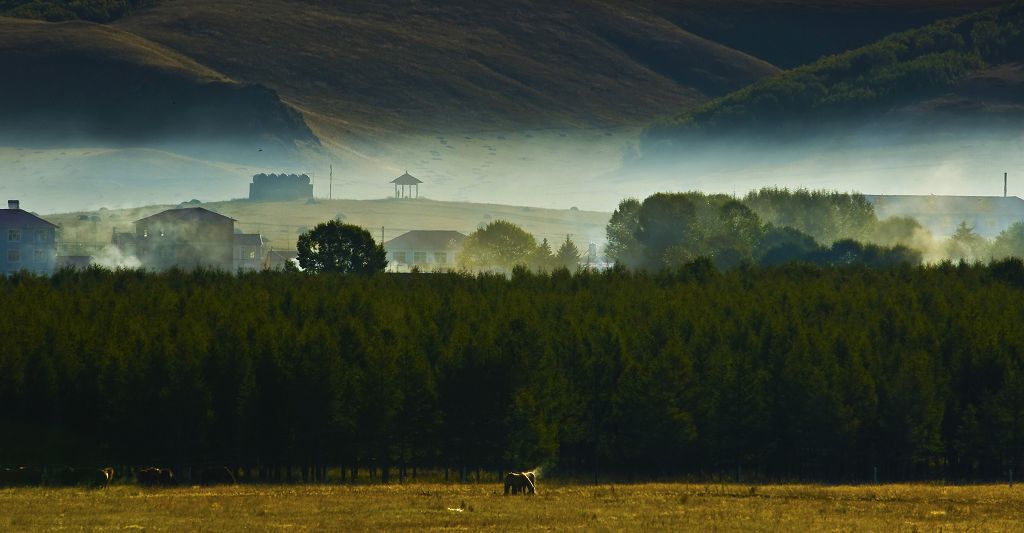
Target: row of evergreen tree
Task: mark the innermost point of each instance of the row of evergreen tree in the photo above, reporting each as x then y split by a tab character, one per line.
786	372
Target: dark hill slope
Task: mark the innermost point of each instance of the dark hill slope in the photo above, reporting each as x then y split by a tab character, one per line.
83	83
398	66
789	33
962	67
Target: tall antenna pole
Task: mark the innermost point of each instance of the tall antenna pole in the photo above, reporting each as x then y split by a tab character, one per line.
382	234
330	185
1004	184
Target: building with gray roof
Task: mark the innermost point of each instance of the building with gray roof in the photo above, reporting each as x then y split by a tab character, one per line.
27	242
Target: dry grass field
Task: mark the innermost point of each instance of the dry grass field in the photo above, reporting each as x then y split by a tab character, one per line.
647	507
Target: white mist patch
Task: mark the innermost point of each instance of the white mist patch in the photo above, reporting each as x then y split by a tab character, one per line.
113	258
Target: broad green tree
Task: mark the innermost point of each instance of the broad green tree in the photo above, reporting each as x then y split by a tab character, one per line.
623	247
334	246
501	245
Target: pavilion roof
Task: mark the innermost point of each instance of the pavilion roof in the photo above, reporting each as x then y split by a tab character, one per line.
406	179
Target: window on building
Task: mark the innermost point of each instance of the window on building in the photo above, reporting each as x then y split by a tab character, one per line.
14	235
13	255
419	258
249	253
39	256
41	235
400	257
441	258
145	232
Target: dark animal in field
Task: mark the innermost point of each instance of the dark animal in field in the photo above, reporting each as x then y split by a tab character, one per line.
520	483
89	477
216	475
20	476
153	477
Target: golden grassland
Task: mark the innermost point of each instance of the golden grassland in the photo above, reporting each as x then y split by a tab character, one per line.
421	506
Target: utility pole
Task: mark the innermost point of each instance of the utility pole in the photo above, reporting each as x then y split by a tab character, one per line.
382	234
1004	184
330	185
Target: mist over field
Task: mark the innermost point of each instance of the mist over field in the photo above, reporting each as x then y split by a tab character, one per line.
584	168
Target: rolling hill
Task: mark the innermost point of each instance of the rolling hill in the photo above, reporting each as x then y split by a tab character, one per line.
516	101
83	83
955	73
390	66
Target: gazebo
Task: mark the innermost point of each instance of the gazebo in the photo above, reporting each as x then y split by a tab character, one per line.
407	186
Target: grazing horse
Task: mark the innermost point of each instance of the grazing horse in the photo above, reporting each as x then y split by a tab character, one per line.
152	476
521	483
109	473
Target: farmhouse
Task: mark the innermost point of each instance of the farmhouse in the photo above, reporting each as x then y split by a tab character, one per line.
27	242
424	249
280	187
194	237
988	215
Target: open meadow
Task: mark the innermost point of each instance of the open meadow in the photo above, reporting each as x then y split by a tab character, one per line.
420	506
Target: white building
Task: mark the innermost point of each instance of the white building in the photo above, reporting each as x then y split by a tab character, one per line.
424	249
27	242
248	251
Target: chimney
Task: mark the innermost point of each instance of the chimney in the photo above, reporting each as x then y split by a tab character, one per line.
12	204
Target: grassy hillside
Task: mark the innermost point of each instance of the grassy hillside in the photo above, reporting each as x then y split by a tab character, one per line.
790	33
81	83
899	71
281	222
393	66
60	10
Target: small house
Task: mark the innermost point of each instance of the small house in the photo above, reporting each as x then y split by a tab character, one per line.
424	249
279	259
248	251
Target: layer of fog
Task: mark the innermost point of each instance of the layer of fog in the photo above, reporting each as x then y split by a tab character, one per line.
550	168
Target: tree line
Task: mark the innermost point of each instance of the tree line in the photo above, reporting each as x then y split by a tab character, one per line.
767	227
789	372
773	226
901	68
